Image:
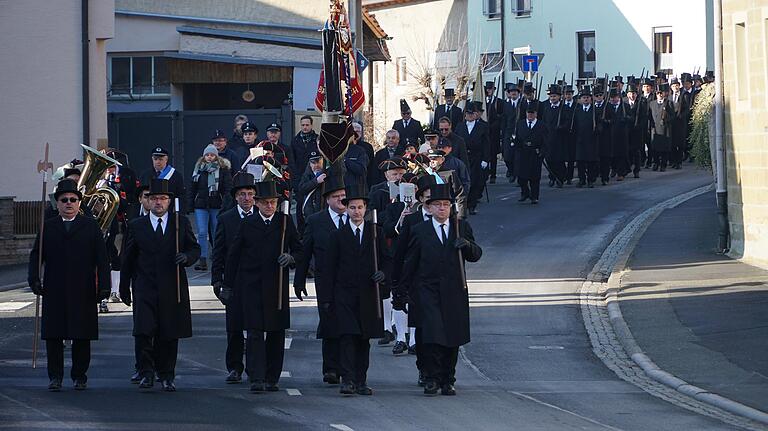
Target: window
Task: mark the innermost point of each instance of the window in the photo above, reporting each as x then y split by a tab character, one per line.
586	42
492	62
402	71
139	75
523	8
514	61
492	8
742	77
662	49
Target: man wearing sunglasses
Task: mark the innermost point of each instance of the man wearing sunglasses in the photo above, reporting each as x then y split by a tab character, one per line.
73	250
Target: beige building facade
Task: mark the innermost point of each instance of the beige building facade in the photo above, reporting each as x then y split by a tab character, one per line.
42	85
745	78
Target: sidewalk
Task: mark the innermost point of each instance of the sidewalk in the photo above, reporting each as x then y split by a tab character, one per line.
13	276
699	316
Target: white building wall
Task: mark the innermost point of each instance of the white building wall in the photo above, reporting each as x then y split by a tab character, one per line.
305	88
41	87
623	34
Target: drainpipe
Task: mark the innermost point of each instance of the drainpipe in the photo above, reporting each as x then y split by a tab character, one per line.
86	75
722	190
503	51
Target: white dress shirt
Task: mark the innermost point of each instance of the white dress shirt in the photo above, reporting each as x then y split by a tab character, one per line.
354	228
470	126
439	232
153	219
242	212
335	217
425	215
266	218
531	123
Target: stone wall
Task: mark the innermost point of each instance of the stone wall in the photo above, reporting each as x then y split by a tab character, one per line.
745	76
14	249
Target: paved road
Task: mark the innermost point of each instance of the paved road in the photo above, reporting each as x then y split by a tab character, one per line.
530	365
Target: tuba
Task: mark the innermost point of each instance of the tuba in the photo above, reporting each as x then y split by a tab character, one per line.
102	201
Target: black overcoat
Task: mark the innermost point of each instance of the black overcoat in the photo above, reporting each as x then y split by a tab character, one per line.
587	146
75	266
638	124
350	266
438	301
456	115
251	271
530	145
148	268
413	134
618	134
226	231
557	121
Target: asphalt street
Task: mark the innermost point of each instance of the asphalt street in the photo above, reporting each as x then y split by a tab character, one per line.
530	365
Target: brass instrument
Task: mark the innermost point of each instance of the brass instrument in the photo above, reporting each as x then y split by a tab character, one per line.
102	201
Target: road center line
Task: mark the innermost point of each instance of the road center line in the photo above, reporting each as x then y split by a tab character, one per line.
293	392
341	427
560	409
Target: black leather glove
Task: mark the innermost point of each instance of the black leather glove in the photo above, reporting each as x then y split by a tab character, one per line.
217	289
298	290
180	259
125	296
285	259
378	276
460	243
37	287
102	295
225	295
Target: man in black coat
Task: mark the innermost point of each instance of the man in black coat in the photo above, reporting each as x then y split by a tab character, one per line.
243	191
379	196
511	115
315	241
681	103
303	143
433	288
352	290
448	110
475	133
219	141
153	265
494	114
556	119
445	129
362	143
255	260
530	142
585	134
76	278
409	129
637	111
662	119
355	164
164	171
390	151
618	124
603	128
569	108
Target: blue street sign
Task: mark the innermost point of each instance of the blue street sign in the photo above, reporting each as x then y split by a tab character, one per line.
362	62
530	63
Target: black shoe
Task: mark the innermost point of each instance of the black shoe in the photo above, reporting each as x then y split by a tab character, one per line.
168	385
559	184
534	201
448	389
55	384
363	389
136	378
272	387
146	383
386	339
400	348
492	180
347	388
257	386
523	198
430	388
80	385
637	175
331	378
663	169
421	382
233	377
412	350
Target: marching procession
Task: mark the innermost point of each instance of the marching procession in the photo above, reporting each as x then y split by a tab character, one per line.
383	233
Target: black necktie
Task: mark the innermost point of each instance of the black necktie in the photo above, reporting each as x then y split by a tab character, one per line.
357	235
341	221
68	225
530	126
427	217
442	233
247	214
586	108
159	228
267	221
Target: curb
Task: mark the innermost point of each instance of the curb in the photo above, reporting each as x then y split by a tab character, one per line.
608	271
13	286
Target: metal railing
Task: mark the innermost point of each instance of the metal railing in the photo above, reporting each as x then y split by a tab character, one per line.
26	217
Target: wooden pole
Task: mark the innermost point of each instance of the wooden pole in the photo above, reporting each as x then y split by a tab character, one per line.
461	255
376	264
42	167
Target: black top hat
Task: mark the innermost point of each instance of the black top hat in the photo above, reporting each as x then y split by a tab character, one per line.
696	77
440	192
249	127
159	151
614	92
631	88
490	84
581	82
449	92
478	105
601	82
631	79
393	163
511	87
218	134
619	78
332	184
686	77
598	90
674	80
528	87
159	186
662	88
567	89
67	186
585	91
424	183
140	189
649	81
314	155
242	180
266	190
533	106
404	108
355	192
554	89
274	127
709	76
470	107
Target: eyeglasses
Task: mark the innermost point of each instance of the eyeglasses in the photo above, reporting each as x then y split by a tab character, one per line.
159	198
70	200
